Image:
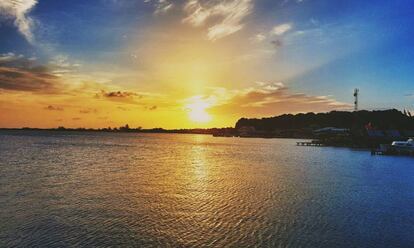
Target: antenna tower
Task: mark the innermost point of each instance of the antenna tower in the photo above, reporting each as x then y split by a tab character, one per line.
356	94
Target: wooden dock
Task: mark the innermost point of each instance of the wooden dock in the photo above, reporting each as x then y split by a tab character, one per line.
311	143
386	149
392	152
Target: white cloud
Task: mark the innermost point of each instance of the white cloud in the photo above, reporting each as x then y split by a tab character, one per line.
161	6
230	14
266	99
9	57
18	10
275	31
269	87
258	38
61	64
281	29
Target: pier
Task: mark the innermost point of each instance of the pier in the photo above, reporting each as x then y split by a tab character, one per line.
391	152
312	143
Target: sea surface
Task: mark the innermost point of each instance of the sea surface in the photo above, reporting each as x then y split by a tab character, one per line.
68	189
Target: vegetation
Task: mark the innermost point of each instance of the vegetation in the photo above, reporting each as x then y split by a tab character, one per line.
127	129
386	119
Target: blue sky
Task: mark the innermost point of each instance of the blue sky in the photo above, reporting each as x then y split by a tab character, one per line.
256	54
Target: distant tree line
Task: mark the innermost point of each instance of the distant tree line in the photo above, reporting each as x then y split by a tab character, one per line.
386	119
128	129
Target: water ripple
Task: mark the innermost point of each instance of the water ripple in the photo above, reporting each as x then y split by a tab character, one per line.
115	190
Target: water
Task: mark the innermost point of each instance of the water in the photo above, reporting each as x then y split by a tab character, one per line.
62	189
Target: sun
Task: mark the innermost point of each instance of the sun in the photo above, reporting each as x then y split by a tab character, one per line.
197	110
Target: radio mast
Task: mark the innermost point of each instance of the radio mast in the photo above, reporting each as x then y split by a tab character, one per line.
356	94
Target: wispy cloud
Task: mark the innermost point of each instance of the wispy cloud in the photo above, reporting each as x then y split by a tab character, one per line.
153	107
53	108
161	6
88	111
292	1
267	99
258	37
19	73
18	10
278	31
281	29
229	14
61	64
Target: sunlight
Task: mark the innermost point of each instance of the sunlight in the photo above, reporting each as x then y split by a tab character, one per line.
197	110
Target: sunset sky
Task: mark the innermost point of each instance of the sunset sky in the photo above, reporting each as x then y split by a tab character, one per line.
199	63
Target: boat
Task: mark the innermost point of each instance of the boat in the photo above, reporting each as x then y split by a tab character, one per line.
403	145
396	148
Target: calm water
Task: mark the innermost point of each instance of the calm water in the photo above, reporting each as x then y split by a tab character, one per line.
165	190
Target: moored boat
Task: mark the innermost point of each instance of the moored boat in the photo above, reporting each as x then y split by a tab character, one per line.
403	145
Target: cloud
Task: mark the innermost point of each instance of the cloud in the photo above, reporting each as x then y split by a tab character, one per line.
278	30
258	38
152	107
267	99
19	73
58	65
277	43
281	29
270	94
88	111
292	1
161	6
119	96
15	60
228	16
61	65
18	10
54	108
9	57
122	108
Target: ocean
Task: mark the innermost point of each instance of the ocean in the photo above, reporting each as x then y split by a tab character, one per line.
80	189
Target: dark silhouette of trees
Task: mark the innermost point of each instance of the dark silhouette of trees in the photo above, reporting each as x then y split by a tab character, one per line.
386	119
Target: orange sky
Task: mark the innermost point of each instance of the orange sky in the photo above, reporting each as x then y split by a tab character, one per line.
200	66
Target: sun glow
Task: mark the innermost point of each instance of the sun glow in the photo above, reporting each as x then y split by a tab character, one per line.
197	110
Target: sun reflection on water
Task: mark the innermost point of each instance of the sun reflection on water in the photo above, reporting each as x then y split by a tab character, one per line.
177	191
198	160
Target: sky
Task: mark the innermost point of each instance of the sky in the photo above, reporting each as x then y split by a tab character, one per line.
199	63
